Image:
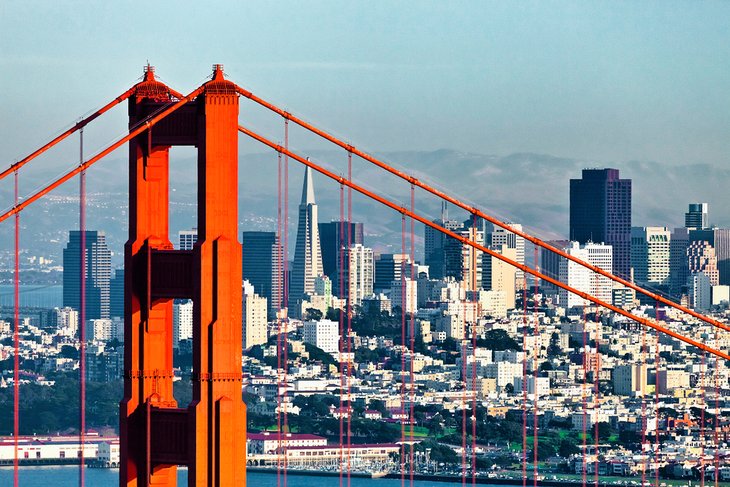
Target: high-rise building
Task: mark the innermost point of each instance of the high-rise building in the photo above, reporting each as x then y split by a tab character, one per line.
359	274
262	267
701	257
436	245
500	276
307	263
600	211
254	315
389	268
583	279
550	263
501	236
650	255
333	237
116	294
678	266
182	321
187	238
696	217
471	259
97	275
719	239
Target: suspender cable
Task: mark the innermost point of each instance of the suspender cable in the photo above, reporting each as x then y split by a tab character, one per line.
644	375
716	441
340	245
703	392
279	319
474	288
584	398
535	374
412	397
473	210
403	358
596	391
656	402
286	254
406	212
349	326
82	309
524	380
16	338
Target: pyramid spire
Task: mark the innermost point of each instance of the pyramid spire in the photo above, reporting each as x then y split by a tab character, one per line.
308	188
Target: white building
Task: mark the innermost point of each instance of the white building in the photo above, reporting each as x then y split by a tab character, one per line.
650	254
504	372
323	334
410	289
182	321
254	317
539	385
629	380
360	273
700	288
100	330
67	321
582	279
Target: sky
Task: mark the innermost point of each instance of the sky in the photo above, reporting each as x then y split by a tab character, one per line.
596	81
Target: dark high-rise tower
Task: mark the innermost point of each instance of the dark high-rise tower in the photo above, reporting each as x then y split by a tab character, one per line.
262	266
116	294
696	216
307	263
331	242
600	212
98	274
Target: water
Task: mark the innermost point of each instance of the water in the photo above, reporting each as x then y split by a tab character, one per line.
38	296
60	476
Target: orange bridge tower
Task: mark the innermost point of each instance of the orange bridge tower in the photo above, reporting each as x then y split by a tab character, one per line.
209	434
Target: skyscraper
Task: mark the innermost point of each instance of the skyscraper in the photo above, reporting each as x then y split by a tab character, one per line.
187	238
501	236
254	317
331	242
436	246
582	279
97	275
600	211
719	239
262	267
116	294
650	255
307	263
697	216
359	274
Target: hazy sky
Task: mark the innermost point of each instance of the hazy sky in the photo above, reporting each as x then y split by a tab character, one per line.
600	81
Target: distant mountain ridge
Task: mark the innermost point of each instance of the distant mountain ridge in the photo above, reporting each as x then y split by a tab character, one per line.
524	187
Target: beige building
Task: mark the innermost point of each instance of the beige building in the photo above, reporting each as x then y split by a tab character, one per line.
629	380
254	313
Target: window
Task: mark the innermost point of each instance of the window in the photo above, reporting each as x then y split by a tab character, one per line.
62	454
26	455
37	454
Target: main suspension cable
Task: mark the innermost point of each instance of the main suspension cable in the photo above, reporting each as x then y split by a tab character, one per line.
464	240
473	210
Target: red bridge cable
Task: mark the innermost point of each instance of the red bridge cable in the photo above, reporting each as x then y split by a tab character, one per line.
278	333
285	336
341	346
405	211
409	299
535	373
596	392
644	374
70	174
584	398
656	398
474	210
350	358
16	339
403	357
82	310
474	287
77	126
524	380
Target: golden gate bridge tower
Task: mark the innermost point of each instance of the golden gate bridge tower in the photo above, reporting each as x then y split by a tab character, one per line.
209	434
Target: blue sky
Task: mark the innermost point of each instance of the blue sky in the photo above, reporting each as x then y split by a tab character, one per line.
599	81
